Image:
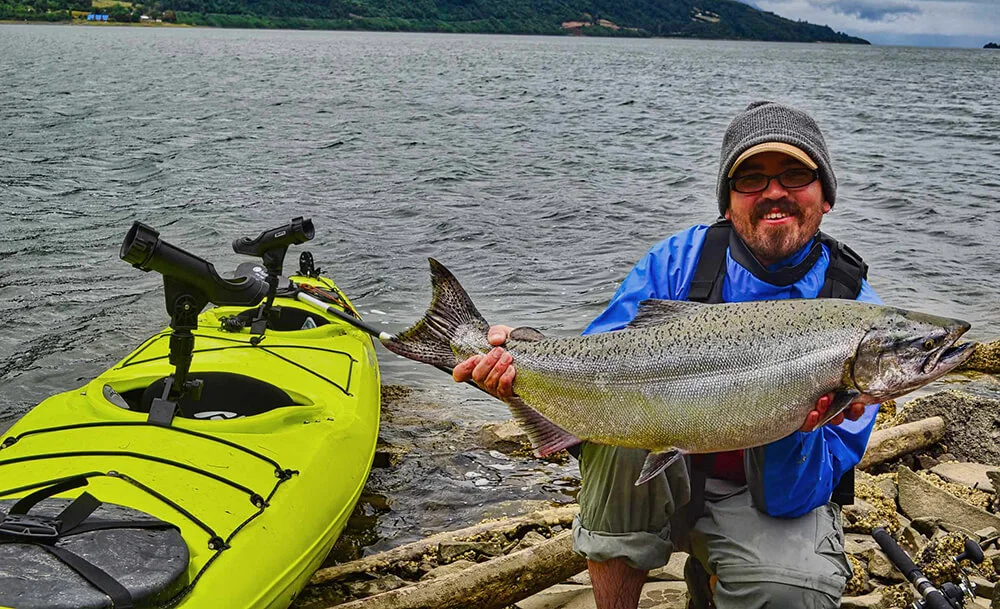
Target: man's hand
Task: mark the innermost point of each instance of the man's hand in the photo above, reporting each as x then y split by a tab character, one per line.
493	371
852	412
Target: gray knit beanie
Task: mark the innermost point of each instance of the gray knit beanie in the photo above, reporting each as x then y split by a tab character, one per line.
765	121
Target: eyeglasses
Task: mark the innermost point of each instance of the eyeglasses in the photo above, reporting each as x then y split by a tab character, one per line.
757	182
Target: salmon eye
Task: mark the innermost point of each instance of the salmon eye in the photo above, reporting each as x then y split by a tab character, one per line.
928	344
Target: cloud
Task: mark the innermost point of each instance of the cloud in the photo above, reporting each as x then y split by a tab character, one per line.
969	23
869	10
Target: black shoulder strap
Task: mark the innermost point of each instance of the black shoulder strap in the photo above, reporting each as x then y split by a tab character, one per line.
706	285
846	271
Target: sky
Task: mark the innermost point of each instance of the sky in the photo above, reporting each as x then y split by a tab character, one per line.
949	23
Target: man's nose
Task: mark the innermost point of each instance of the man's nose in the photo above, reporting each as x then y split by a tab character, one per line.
774	190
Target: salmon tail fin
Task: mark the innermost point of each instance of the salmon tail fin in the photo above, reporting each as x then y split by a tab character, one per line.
546	437
451	319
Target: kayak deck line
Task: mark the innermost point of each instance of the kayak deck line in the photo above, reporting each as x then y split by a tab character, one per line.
279	471
131	361
113	474
255	498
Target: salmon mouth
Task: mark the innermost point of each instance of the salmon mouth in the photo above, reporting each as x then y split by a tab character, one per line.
948	358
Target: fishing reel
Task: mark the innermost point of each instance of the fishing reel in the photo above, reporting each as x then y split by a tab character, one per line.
948	596
271	246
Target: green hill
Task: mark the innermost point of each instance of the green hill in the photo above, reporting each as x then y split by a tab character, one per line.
725	19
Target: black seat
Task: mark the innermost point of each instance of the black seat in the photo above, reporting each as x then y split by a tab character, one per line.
224	395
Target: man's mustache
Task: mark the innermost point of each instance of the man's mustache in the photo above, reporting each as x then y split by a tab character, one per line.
782	205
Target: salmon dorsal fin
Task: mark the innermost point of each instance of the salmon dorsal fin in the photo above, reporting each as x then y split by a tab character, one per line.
653	312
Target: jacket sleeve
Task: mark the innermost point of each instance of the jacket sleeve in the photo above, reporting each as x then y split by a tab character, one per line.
664	272
797	474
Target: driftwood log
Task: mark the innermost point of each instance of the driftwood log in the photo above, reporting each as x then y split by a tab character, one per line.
489	585
892	442
413	551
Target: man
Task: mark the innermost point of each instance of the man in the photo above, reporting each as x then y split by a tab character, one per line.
759	524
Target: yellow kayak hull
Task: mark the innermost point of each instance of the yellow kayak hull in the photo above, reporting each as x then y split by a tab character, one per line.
259	500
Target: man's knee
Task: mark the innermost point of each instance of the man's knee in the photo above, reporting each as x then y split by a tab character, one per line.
770	595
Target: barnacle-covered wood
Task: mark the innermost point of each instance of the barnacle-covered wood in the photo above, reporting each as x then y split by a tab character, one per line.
889	443
490	585
415	551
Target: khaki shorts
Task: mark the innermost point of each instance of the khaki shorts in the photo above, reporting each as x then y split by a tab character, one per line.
753	554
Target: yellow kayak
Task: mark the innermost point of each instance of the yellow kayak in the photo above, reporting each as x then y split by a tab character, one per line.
241	495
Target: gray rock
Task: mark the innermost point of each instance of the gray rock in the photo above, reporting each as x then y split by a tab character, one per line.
879	566
858	512
663	595
972	430
919	498
858	543
987	533
559	596
504	437
984	587
888	488
871	600
673	571
969	474
912	541
951	527
926	461
927	525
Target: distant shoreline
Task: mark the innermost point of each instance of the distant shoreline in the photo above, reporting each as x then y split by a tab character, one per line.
566	33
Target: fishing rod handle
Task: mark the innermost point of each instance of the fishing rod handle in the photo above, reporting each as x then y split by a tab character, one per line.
933	597
298	231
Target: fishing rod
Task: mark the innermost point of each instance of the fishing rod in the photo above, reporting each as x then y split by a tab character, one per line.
949	595
381	335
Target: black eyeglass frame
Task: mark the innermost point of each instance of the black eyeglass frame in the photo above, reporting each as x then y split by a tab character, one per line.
732	181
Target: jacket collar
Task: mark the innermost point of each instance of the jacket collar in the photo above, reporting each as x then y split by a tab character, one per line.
782	273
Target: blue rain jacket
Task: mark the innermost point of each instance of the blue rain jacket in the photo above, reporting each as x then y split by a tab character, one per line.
791	476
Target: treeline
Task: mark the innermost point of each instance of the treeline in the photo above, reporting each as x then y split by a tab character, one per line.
726	19
42	10
687	18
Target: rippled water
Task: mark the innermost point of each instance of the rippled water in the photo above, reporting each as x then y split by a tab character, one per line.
538	169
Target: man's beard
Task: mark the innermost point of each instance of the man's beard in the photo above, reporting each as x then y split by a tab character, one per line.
774	243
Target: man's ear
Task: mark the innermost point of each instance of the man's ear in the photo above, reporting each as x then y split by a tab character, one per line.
726	215
826	206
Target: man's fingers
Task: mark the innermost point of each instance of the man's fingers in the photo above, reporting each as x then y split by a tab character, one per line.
498	334
463	371
855	411
485	365
493	378
505	389
811	419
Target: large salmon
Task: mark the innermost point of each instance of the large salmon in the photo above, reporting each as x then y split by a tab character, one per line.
693	378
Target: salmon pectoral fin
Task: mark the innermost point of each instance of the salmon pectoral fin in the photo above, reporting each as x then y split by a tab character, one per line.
656	462
546	437
841	400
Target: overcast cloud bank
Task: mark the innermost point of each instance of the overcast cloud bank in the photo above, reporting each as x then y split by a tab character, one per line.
964	23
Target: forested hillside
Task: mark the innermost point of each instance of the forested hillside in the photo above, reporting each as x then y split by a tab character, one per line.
725	19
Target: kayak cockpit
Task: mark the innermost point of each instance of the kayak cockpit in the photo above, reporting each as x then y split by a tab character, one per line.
224	395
